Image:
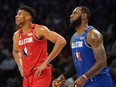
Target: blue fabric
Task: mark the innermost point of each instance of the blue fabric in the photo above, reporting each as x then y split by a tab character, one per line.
83	56
103	80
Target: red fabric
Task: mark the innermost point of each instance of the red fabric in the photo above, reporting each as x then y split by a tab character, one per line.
43	80
33	51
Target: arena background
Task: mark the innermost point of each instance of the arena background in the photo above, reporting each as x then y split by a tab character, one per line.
55	15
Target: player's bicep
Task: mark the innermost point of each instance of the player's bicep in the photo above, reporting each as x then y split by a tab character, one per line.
15	43
99	53
15	47
94	39
53	36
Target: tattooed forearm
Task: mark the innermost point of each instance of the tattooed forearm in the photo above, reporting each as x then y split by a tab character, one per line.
100	57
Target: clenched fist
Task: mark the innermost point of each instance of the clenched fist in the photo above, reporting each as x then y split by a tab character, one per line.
58	82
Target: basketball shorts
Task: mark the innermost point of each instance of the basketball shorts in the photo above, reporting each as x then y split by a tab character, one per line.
103	80
43	80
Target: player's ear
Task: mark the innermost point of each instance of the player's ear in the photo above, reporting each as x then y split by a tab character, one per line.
28	17
84	15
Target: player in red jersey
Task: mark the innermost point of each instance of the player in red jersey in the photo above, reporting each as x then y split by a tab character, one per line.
30	40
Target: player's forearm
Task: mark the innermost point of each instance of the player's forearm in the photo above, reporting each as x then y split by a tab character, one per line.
56	49
17	58
70	72
95	69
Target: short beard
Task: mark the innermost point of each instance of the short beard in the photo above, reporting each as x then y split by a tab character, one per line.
20	25
75	23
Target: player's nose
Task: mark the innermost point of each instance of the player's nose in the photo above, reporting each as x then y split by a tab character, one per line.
71	16
16	16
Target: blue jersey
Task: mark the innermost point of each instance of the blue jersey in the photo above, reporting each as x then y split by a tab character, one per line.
83	56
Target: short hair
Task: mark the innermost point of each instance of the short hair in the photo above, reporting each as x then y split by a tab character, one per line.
86	10
28	9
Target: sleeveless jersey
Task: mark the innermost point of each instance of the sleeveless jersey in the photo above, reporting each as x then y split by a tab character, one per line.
33	51
83	56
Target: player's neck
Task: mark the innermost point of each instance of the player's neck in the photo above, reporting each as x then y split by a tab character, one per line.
80	29
26	28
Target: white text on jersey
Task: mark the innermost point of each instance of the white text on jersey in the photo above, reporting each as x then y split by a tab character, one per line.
77	44
25	41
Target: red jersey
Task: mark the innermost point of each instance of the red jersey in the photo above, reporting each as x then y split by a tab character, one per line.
33	51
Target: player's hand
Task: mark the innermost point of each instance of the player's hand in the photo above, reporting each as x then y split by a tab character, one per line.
21	72
40	68
79	82
58	82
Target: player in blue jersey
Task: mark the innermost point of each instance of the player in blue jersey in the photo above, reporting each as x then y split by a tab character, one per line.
89	57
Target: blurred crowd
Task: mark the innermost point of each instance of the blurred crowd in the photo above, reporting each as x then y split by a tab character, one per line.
55	15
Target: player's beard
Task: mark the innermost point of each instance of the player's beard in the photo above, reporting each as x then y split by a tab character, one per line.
75	23
16	27
20	24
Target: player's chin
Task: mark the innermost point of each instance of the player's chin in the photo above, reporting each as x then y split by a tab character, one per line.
17	23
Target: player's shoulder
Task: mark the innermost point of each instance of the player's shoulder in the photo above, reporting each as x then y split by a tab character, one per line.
40	27
94	33
15	36
16	32
94	37
41	30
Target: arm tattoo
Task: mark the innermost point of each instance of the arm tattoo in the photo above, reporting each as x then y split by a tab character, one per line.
99	53
95	38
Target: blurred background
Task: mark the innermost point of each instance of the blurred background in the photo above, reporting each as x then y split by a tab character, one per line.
55	15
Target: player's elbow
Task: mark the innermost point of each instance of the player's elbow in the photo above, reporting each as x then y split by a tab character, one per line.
103	64
14	52
62	42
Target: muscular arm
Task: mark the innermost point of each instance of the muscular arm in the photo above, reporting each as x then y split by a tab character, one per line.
52	36
15	50
94	39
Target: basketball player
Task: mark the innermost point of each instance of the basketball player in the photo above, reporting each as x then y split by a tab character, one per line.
30	41
89	57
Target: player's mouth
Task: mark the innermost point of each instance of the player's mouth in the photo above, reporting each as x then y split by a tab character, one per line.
16	19
71	20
